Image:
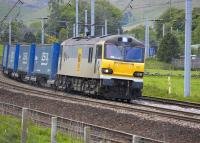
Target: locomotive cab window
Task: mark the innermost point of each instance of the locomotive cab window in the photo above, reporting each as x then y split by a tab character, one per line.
125	53
99	51
90	55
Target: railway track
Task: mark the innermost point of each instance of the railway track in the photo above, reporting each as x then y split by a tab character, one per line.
172	102
126	108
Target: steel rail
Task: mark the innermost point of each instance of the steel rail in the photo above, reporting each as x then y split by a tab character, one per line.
171	102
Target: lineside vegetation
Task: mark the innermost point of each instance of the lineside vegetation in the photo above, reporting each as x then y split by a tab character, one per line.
158	85
10	132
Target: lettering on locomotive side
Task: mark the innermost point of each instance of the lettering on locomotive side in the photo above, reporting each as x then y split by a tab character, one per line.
79	59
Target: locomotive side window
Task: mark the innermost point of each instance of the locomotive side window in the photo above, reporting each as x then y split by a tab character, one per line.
99	52
90	55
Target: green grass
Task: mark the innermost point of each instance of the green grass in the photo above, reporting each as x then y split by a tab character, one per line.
152	63
157	86
153	66
10	132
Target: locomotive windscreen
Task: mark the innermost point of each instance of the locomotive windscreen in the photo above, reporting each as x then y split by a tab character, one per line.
124	52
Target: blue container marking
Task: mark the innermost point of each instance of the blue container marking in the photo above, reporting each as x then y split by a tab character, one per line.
31	59
16	57
55	58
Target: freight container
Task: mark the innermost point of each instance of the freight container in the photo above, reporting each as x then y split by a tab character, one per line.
26	59
13	56
46	61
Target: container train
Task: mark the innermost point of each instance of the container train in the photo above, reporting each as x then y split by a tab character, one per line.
111	66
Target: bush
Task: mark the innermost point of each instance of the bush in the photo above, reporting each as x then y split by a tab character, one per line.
169	48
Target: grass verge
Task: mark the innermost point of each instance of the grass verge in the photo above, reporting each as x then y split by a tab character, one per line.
156	86
10	132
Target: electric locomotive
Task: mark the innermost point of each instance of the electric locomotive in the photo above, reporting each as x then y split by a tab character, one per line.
110	66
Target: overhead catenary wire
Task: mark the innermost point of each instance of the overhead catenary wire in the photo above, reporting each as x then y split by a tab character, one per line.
6	16
154	5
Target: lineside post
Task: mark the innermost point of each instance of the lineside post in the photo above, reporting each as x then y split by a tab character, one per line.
86	22
53	129
87	133
92	17
77	19
106	27
147	38
170	85
135	139
74	30
188	25
10	31
24	125
163	30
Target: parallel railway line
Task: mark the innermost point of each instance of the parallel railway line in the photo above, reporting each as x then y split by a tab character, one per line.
172	102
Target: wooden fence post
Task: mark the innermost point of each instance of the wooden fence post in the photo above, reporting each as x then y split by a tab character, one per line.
135	139
24	124
87	133
53	129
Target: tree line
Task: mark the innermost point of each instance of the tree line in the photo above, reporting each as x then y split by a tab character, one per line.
172	44
59	25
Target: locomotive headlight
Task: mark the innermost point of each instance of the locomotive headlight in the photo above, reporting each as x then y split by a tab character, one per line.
138	74
107	71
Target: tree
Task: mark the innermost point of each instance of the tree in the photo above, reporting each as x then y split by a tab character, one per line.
29	37
139	33
38	36
51	39
103	10
176	20
169	48
63	34
17	31
196	34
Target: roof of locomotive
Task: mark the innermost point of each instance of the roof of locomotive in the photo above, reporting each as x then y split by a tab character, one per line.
94	40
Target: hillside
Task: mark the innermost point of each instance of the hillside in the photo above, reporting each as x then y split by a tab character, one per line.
141	9
30	10
148	8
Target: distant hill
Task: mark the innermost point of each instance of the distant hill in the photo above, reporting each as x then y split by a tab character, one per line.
148	8
30	10
140	9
